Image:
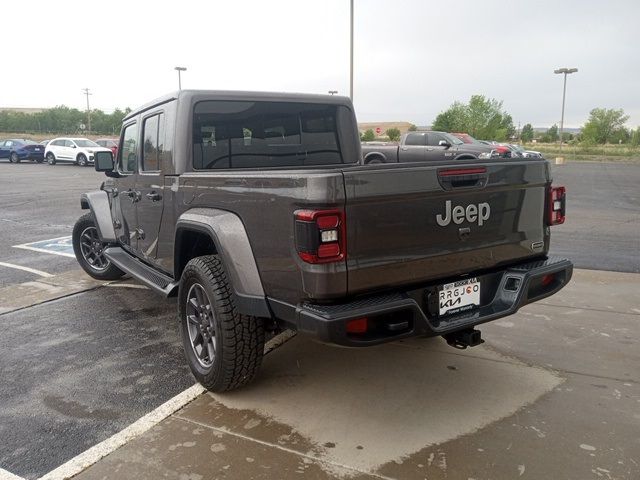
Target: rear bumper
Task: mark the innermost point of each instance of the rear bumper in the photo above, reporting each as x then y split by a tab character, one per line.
402	314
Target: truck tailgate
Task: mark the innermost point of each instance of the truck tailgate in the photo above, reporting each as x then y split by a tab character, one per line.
412	224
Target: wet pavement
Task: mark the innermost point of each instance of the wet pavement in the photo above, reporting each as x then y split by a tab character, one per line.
555	393
79	369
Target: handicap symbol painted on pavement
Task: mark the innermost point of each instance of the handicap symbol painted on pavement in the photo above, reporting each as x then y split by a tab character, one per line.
55	246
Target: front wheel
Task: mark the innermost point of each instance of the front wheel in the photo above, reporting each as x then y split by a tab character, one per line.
82	160
89	250
51	158
223	347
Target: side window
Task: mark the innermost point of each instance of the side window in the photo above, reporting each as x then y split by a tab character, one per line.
435	138
415	139
153	146
68	143
129	152
8	143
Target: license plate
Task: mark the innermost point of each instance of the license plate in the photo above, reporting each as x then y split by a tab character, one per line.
459	296
37	149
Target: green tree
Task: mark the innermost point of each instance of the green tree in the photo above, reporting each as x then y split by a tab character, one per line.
368	135
393	134
604	125
482	118
552	134
635	137
412	128
527	133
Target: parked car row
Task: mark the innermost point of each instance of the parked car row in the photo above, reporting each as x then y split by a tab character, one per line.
79	151
506	150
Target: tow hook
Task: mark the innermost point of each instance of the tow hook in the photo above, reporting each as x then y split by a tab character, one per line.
464	338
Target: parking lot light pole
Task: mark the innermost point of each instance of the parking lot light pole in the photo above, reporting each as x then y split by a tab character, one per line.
179	70
351	57
565	71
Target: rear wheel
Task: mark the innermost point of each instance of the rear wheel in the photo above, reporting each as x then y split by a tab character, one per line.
82	160
89	250
223	347
14	158
51	158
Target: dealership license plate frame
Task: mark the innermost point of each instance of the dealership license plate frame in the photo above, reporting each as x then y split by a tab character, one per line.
458	297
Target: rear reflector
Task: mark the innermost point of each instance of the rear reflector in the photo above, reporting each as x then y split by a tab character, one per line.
556	205
320	235
359	325
547	279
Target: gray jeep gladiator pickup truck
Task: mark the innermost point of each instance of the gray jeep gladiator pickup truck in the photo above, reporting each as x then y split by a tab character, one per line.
254	209
424	147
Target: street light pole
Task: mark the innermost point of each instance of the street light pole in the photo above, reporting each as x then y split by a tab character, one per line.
180	69
565	71
351	58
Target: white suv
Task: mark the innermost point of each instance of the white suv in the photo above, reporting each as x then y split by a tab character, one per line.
74	150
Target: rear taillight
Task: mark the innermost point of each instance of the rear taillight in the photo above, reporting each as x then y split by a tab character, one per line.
320	235
556	205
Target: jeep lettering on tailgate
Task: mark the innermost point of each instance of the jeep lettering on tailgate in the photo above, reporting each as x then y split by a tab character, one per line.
471	213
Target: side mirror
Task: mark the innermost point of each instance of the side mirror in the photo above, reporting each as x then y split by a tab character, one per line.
103	161
444	143
73	146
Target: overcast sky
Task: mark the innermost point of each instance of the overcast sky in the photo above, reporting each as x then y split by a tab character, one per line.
412	58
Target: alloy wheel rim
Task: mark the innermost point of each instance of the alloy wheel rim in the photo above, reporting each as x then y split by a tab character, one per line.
201	325
92	249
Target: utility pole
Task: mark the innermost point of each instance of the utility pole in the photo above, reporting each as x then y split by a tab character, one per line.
565	71
351	58
87	93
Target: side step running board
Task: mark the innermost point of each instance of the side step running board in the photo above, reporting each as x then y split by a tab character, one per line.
140	271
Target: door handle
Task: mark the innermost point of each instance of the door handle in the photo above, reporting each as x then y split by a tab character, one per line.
154	197
134	196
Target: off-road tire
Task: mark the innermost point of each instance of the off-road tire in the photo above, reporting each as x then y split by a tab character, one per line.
111	272
239	338
82	160
51	158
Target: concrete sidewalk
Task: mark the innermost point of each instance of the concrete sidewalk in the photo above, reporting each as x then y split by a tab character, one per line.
554	394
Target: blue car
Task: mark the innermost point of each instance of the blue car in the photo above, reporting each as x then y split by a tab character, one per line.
17	149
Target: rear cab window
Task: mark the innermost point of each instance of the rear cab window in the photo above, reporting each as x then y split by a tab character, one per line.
415	139
261	134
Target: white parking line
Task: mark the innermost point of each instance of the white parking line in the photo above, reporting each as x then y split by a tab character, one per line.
87	458
26	269
104	448
4	475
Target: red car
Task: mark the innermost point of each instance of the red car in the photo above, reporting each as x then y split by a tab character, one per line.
109	143
502	150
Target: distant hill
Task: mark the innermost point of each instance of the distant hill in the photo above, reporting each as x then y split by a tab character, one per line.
566	129
23	110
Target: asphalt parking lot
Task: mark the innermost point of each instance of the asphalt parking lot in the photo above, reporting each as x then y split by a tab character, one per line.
555	392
